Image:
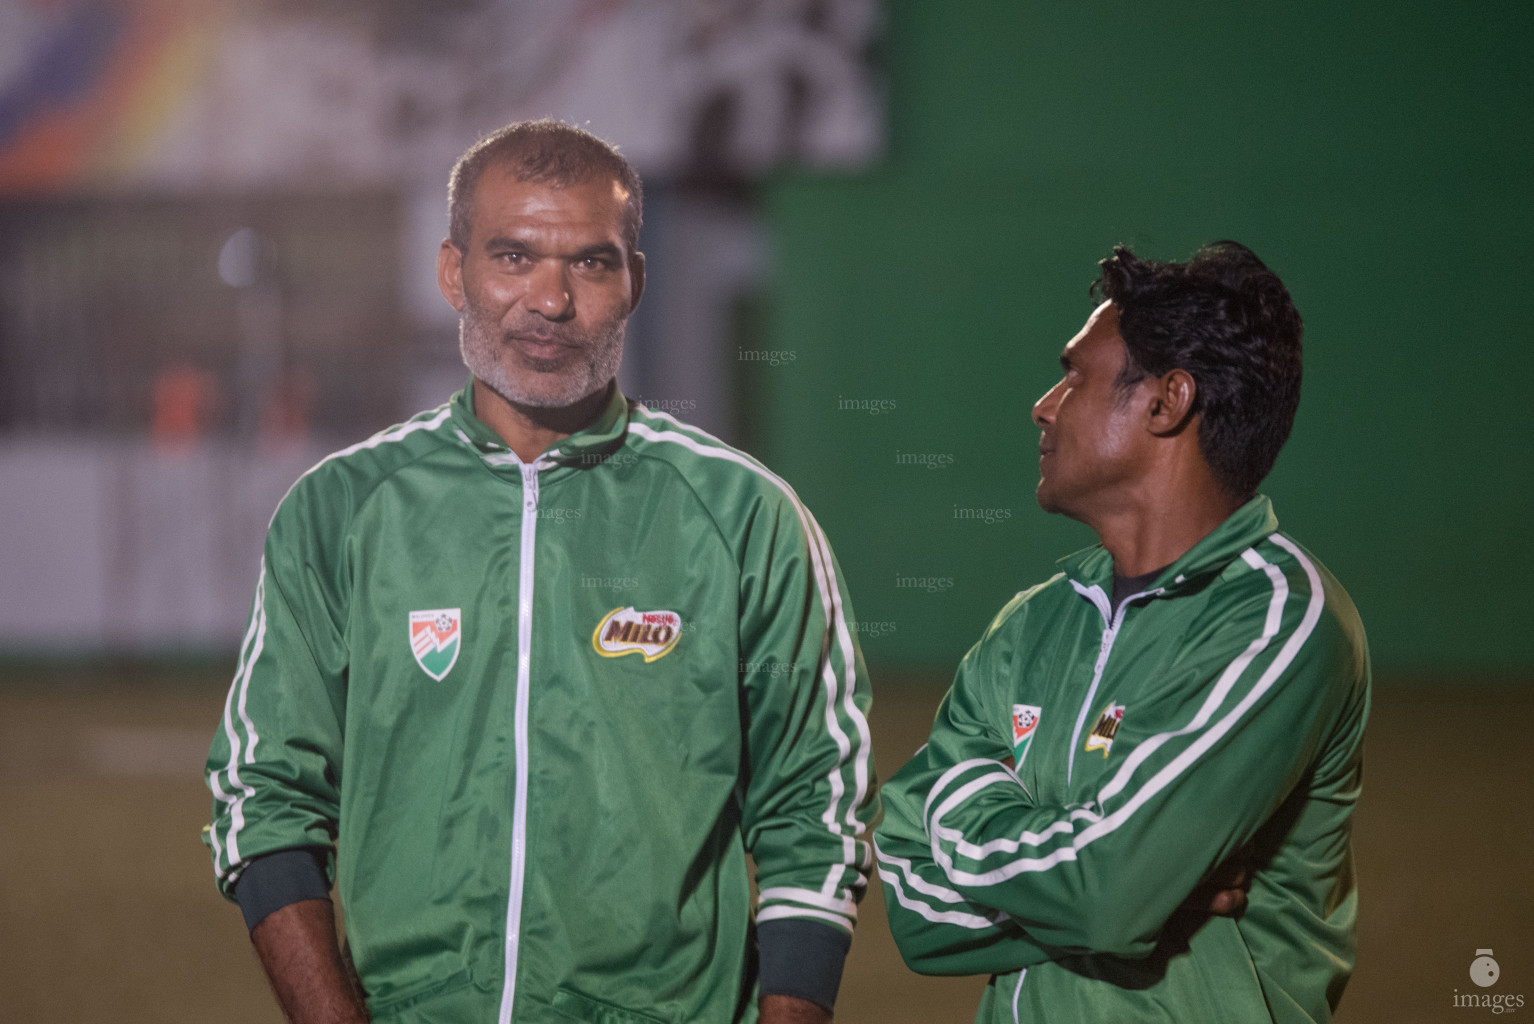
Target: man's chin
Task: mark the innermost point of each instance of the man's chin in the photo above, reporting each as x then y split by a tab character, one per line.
529	394
529	366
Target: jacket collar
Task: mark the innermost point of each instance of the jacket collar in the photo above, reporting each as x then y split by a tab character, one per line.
586	447
1244	527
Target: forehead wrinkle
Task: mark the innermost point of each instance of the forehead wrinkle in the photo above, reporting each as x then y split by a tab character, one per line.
533	214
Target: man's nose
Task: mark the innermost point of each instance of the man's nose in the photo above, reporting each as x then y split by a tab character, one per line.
1044	408
548	291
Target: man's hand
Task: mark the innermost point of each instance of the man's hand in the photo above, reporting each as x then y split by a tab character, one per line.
297	946
788	1010
1223	893
1231	900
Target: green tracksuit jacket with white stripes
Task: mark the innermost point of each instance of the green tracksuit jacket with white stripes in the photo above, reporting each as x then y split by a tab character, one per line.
1091	765
545	710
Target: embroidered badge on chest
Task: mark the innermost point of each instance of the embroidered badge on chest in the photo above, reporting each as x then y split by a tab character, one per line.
626	631
1107	727
1025	722
435	639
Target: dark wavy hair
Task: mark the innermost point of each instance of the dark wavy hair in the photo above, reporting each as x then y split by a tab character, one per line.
546	152
1227	320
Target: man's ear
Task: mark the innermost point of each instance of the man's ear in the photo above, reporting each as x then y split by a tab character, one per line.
1172	402
636	275
450	273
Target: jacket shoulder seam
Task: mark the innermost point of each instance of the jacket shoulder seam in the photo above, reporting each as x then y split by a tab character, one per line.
344	457
771	487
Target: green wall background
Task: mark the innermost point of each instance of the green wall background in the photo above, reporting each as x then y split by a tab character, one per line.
1378	156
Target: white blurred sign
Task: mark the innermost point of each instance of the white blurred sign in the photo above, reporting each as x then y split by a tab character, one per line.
676	85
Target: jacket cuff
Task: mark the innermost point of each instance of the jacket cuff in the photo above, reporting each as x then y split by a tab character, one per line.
274	880
801	958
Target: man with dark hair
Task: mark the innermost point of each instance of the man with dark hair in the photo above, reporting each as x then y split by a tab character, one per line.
529	675
1184	703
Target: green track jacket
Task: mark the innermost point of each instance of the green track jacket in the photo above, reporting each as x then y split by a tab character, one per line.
545	710
1091	765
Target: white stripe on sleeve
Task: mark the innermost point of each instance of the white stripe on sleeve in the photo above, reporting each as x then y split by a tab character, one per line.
1188	757
830	599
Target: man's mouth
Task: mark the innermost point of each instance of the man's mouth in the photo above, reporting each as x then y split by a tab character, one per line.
539	346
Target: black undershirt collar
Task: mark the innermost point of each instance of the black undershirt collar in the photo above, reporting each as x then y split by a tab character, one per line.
1128	586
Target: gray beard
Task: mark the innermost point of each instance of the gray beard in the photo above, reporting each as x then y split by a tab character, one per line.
488	355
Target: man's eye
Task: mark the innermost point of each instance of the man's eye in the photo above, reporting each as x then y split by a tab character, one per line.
594	263
512	257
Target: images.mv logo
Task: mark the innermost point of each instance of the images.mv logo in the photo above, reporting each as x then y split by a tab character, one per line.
1485	971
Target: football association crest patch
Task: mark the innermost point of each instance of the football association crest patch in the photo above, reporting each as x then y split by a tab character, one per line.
626	631
435	639
1107	727
1025	722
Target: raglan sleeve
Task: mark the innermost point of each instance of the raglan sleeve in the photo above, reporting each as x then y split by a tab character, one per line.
937	929
809	791
275	760
1197	767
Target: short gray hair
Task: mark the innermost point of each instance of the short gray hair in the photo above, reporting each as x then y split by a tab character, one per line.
545	152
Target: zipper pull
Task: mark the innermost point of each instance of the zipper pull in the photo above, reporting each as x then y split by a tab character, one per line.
530	486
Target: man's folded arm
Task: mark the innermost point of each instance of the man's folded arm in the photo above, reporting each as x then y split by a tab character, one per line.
937	929
1195	772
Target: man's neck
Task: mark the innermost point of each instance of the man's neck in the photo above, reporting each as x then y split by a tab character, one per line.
1158	533
530	430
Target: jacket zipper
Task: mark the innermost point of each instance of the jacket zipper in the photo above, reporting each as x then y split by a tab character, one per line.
1113	620
519	731
1109	633
1016	992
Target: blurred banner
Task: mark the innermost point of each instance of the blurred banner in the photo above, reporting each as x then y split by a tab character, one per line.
218	232
177	94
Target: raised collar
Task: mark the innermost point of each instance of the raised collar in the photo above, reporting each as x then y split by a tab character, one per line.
585	447
1244	527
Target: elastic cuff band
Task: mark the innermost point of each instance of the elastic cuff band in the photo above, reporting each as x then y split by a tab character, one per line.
802	958
275	880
